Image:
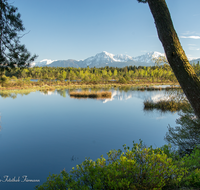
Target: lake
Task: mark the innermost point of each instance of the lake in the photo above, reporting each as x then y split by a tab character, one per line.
44	133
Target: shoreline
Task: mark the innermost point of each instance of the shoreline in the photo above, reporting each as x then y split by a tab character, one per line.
75	85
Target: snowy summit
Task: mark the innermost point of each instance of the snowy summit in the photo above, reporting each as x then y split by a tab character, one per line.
106	59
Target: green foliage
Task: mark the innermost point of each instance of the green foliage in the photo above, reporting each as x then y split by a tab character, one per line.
192	163
35	72
131	73
60	77
136	168
4	79
14	78
187	135
27	80
59	182
86	79
127	78
12	53
196	68
122	80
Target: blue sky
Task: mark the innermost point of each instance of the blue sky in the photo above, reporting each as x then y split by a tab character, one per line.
78	29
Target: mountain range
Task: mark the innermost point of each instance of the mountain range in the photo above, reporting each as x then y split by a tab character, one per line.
105	59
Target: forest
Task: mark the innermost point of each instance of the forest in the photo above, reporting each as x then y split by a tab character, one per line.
129	74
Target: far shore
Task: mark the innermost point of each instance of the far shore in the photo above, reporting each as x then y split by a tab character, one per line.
75	85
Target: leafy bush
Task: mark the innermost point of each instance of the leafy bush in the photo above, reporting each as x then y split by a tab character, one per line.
14	78
127	78
192	163
5	79
136	168
122	80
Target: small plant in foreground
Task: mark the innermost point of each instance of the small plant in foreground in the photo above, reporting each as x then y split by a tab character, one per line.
136	168
192	163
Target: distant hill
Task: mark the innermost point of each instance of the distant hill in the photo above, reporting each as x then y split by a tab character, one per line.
105	59
195	61
64	63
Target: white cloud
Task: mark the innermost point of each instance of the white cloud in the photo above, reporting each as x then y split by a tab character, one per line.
192	37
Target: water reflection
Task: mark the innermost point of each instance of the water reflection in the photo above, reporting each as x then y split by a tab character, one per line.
120	94
62	93
187	135
47	131
48	93
8	95
0	121
14	93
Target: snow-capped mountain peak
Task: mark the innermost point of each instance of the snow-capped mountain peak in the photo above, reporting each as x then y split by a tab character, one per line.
47	61
106	53
148	57
158	54
41	63
123	58
106	59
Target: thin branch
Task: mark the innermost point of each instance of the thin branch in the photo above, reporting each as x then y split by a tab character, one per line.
24	34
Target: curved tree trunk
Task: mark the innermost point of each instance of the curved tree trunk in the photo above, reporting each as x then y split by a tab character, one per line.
1	27
175	54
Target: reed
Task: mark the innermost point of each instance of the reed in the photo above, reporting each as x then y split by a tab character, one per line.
91	94
166	105
152	88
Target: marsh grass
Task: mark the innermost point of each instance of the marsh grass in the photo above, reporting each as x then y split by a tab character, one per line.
90	94
152	88
101	98
166	105
21	84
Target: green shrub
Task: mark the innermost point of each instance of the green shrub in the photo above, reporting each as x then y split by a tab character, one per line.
20	83
122	80
136	168
192	164
14	78
5	79
127	78
27	80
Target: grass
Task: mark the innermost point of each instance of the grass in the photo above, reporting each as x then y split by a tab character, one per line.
91	94
13	91
19	84
166	105
152	88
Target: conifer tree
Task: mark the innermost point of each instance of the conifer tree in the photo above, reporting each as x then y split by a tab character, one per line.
12	53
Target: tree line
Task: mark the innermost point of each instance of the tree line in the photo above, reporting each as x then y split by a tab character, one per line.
152	74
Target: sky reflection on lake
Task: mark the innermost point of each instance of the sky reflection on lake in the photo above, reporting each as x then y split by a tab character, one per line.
47	132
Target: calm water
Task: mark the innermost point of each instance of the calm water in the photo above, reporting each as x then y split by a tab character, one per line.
45	133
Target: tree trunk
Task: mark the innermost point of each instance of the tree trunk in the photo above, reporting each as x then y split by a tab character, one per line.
175	54
1	27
